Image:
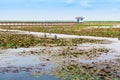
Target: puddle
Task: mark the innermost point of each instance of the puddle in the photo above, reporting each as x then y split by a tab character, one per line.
26	76
37	72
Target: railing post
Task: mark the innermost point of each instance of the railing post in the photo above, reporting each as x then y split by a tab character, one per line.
119	36
55	37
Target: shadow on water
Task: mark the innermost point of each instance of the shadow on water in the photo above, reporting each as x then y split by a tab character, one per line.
26	76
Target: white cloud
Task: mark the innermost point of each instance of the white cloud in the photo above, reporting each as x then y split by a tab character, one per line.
85	3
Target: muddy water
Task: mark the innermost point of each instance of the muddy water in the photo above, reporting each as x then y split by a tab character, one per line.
26	76
14	65
27	73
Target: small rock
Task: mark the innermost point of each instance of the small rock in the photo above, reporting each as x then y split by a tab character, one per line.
47	59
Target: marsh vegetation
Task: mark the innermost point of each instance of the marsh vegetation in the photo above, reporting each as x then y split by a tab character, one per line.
84	29
13	40
95	71
66	53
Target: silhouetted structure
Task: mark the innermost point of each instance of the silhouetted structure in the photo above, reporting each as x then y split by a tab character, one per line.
79	19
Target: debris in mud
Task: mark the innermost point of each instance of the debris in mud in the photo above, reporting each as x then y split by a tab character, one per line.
95	71
88	53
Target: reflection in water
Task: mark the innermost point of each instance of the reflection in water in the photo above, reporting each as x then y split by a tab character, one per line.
28	73
26	76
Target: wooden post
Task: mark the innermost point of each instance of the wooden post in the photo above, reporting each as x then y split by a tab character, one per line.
119	36
45	36
55	37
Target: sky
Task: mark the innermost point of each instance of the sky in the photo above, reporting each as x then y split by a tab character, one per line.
50	10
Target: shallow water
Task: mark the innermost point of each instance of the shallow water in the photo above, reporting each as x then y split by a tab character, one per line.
26	76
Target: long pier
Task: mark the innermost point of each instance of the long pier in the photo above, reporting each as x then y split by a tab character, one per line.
35	23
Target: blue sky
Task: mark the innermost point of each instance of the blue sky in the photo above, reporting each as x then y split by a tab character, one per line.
59	9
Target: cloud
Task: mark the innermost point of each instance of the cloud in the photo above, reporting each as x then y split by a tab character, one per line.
85	3
92	3
81	3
